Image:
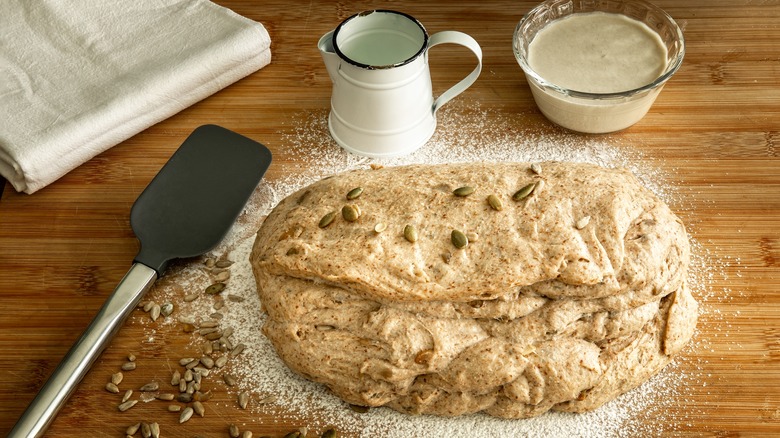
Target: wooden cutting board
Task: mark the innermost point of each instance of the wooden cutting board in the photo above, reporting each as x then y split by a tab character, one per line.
713	137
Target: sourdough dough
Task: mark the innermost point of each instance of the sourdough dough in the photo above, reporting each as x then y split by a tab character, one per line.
562	300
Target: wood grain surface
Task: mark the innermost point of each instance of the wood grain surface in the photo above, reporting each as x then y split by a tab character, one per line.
714	133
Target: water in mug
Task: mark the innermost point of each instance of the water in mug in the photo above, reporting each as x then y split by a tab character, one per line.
380	47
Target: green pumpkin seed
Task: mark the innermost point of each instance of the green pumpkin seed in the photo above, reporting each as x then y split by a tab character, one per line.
327	219
459	239
495	202
524	192
350	213
355	193
215	288
410	233
463	191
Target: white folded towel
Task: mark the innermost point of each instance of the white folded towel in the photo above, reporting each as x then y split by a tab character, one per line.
79	76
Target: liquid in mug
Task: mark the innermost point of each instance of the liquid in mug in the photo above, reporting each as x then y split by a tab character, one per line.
379	47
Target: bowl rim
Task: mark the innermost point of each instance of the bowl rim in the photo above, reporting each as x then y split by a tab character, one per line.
540	81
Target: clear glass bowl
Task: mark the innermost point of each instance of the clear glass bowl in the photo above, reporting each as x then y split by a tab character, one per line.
597	112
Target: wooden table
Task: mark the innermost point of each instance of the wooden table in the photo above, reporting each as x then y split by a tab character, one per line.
714	133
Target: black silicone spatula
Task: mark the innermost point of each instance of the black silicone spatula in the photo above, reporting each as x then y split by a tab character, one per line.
185	211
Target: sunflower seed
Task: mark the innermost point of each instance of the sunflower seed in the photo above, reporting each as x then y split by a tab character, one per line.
127	405
128	366
174	408
213	336
229	379
350	213
238	349
148	306
207	348
329	433
188	376
165	396
198	408
191	297
222	276
463	191
524	192
166	309
355	193
459	239
197	377
150	387
207	330
183	385
131	430
155	429
221	361
235	298
228	332
536	168
218	303
128	394
359	409
186	414
215	288
410	233
112	388
327	219
155	312
267	399
192	364
243	399
216	315
202	371
209	324
233	431
116	378
131	357
184	398
582	223
495	202
222	264
207	362
246	434
146	430
175	378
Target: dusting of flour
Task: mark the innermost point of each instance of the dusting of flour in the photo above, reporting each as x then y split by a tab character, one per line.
464	134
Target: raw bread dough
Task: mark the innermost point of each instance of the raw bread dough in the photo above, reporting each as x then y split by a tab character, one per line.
562	300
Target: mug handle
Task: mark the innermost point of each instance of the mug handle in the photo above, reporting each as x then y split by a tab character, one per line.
455	37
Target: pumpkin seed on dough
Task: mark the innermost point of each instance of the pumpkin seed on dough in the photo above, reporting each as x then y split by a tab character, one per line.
495	202
350	213
327	219
459	239
355	193
410	233
524	192
536	168
582	223
463	191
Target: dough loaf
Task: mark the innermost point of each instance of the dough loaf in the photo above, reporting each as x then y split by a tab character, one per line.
561	300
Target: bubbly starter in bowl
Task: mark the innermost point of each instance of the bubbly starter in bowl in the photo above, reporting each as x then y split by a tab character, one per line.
598	52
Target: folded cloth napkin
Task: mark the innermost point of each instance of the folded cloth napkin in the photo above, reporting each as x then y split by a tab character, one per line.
79	76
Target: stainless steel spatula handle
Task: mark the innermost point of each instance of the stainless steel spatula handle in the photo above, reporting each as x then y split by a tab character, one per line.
74	366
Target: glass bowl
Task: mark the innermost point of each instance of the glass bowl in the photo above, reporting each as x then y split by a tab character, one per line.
597	112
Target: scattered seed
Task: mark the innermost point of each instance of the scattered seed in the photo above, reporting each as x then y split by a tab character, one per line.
524	192
355	193
183	385
191	387
155	312
243	399
184	398
410	233
217	315
207	330
495	202
222	276
197	377
166	396
207	362
148	306
350	213
238	349
209	262
463	191
150	387
330	433
186	414
191	297
327	219
221	361
582	223
209	324
128	394
459	239
175	378
294	434
225	263
192	364
218	303
229	379
235	298
201	396
202	371
215	288
112	388
378	228
267	399
233	431
155	428
146	430
246	434
174	408
128	366
116	378
198	408
228	332
127	405
213	336
131	430
166	309
536	168
359	409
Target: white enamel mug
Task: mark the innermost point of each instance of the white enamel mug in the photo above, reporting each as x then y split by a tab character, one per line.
382	103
